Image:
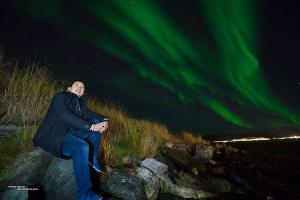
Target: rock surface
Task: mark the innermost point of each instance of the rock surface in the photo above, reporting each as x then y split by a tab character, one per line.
179	171
125	186
29	168
59	181
8	130
179	188
14	194
150	181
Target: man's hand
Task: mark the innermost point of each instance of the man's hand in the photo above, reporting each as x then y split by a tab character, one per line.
100	127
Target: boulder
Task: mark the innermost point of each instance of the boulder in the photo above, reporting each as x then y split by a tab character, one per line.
59	181
150	182
164	196
14	194
241	181
180	158
219	185
218	170
204	152
198	165
229	149
188	180
188	148
8	130
226	148
179	186
162	159
29	168
125	186
153	165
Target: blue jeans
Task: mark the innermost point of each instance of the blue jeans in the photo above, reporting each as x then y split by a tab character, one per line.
80	145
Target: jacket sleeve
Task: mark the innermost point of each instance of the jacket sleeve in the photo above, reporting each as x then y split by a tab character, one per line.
87	113
61	109
90	115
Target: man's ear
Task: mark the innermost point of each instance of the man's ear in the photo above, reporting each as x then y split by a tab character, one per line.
69	88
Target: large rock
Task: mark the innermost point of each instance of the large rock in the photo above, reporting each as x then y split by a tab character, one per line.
150	182
8	130
59	181
220	185
125	186
29	168
162	159
188	148
14	194
153	165
241	181
180	188
148	173
164	196
226	148
180	158
204	152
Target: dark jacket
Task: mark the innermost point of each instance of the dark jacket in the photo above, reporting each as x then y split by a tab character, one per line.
63	113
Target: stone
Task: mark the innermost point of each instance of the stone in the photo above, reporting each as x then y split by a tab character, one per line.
194	171
162	159
59	181
14	194
164	196
8	130
125	186
126	161
29	168
219	185
199	165
169	144
150	181
188	148
167	186
188	180
229	149
182	187
180	158
153	165
204	152
245	185
218	170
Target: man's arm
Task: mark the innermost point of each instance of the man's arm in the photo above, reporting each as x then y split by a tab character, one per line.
88	114
61	109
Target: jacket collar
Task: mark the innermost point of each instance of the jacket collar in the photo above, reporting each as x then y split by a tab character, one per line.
74	95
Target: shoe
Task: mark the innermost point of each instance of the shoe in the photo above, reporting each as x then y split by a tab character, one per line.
90	195
98	170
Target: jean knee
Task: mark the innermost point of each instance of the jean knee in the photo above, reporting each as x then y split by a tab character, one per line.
83	147
95	120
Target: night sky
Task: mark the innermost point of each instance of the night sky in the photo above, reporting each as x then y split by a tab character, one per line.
207	66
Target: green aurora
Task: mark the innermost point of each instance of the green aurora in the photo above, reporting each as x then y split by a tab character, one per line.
224	75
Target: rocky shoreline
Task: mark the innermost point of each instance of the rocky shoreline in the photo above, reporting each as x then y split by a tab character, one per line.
181	171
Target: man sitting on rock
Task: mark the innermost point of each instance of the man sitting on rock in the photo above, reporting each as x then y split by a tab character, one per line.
70	130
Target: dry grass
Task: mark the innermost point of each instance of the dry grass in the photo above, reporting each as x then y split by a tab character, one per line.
127	136
27	94
13	146
189	138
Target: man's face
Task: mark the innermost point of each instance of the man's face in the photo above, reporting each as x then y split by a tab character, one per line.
77	88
